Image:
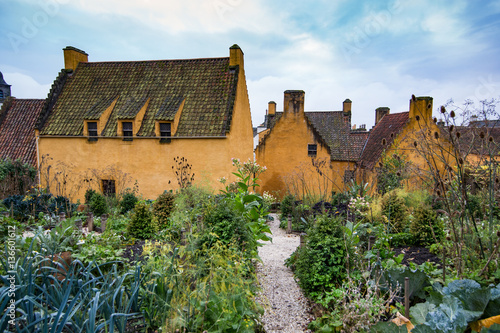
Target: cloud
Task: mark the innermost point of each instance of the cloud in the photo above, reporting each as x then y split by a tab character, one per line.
24	86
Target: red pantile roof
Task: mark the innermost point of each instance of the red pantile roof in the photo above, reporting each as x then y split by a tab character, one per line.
384	132
206	86
17	129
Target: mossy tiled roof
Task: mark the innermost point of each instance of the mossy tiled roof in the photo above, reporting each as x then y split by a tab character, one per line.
17	129
332	129
335	130
381	137
207	87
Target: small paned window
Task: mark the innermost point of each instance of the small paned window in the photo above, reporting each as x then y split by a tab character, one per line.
127	130
1	94
165	132
108	187
348	176
92	128
312	150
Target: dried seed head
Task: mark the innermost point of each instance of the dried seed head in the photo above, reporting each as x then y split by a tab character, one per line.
398	174
498	233
438	192
435	119
452	114
490	139
436	135
481	135
448	238
496	180
417	117
443	109
460	160
415	143
451	128
380	164
458	135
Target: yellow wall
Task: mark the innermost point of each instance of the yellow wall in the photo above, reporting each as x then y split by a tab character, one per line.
283	151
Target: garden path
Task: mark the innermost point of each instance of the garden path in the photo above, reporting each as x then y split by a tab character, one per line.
286	308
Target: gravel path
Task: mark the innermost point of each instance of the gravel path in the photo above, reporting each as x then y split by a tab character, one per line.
286	308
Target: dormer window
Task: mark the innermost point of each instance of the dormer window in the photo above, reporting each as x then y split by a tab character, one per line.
92	130
165	132
127	130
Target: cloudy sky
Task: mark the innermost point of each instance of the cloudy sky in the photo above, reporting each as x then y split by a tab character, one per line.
377	53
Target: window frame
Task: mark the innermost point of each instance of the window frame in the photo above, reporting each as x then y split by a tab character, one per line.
168	133
92	133
108	187
128	133
312	149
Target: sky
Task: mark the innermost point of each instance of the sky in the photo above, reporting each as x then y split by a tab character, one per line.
376	53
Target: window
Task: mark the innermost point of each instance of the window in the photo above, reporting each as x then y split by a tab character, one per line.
92	129
165	132
108	187
1	94
312	150
127	130
348	176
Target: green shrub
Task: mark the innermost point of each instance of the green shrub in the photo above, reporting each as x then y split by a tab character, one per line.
320	265
394	208
425	225
88	195
98	205
128	202
142	223
223	223
402	239
163	207
287	205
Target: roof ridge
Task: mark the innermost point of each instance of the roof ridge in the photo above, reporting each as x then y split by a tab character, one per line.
153	60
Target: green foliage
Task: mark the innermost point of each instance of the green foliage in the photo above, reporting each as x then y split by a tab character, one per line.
98	248
142	223
426	227
225	225
287	205
16	178
163	207
392	171
88	195
128	202
452	308
56	296
402	239
38	202
320	265
193	290
394	209
98	205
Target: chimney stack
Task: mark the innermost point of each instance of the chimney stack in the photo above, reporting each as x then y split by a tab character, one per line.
421	107
346	107
235	56
271	108
380	113
73	56
294	101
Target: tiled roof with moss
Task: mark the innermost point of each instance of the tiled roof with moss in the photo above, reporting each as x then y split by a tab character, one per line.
207	87
335	129
17	129
381	137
